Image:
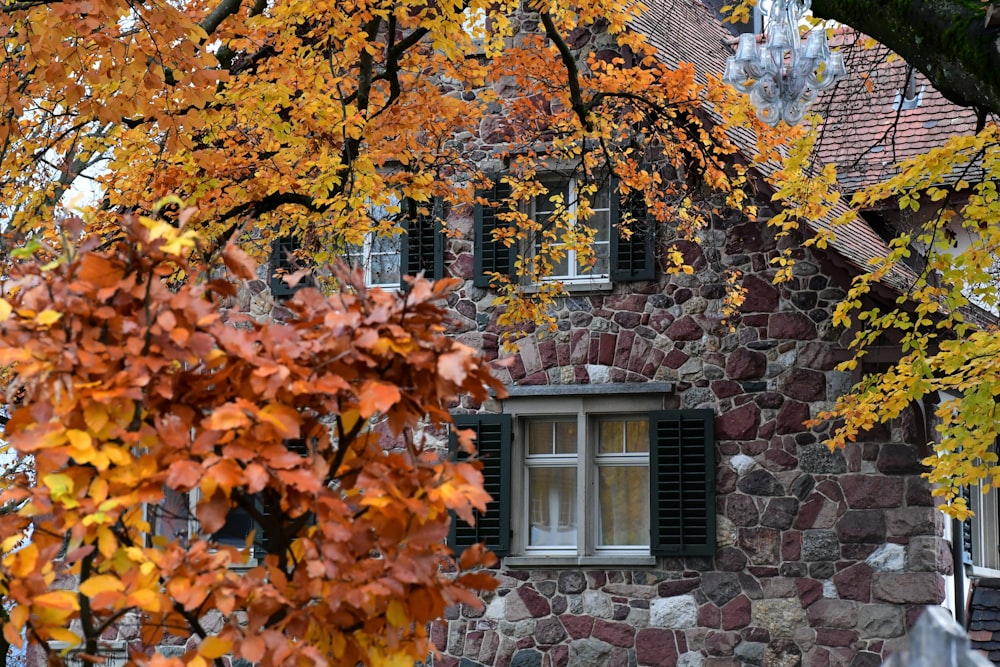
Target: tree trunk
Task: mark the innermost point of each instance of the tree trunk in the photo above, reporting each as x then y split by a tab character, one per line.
947	40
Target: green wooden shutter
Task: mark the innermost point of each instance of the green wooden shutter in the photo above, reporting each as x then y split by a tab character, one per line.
493	440
633	258
967	528
682	482
491	256
423	247
282	258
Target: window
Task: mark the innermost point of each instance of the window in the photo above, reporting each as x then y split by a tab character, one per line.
610	453
379	257
590	477
617	258
981	533
384	259
562	198
419	247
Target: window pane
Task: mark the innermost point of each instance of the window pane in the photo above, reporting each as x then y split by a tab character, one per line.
623	498
611	435
552	507
539	438
565	437
637	435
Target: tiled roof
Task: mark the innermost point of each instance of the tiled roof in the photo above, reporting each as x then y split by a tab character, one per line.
984	618
868	125
687	31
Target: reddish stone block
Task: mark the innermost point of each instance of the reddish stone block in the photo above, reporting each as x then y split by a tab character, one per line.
780	460
578	627
738	424
872	492
744	364
760	297
726	388
547	353
790	325
616	634
804	385
862	526
736	613
606	355
721	643
559	655
623	348
908	587
669	589
742	510
709	616
854	583
809	590
791	545
835	637
685	328
899	459
791	416
516	367
675	359
655	647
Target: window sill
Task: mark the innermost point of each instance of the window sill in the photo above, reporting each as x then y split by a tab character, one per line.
981	571
613	561
575	286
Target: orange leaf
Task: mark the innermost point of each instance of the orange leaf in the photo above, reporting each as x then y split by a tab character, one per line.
377	397
228	416
239	262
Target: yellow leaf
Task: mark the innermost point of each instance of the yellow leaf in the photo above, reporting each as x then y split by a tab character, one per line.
5	310
79	440
62	600
145	599
48	317
396	614
100	584
214	647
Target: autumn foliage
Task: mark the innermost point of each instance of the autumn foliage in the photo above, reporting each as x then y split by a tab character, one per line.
135	379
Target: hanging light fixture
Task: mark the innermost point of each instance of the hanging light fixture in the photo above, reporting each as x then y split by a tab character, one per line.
783	76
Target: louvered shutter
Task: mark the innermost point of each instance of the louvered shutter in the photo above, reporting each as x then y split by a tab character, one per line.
423	249
282	259
682	482
493	445
967	528
491	256
633	258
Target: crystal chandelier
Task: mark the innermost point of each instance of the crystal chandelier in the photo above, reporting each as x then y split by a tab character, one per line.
783	76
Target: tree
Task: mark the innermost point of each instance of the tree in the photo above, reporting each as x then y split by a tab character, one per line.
206	124
136	380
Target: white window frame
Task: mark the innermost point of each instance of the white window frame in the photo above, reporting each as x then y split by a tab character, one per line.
585	409
574	272
985	532
365	254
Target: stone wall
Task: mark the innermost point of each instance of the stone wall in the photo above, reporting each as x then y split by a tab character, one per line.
823	558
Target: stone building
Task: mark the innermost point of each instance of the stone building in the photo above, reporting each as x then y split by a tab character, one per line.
658	500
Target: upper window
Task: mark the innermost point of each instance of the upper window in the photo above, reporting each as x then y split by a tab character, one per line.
617	256
563	198
385	259
379	258
586	477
